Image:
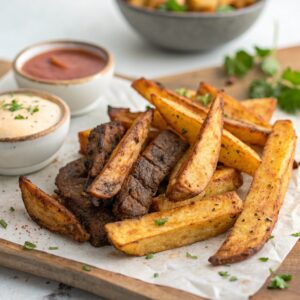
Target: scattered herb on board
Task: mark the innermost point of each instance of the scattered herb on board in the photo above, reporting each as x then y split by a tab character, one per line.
271	237
29	246
148	107
224	274
189	255
263	259
86	268
149	256
155	275
233	278
296	234
53	248
11	209
3	224
279	281
172	5
161	222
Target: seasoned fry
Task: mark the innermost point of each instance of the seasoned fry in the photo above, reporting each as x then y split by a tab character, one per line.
254	226
187	122
233	108
83	137
108	183
49	213
223	180
181	226
122	115
264	107
202	158
202	5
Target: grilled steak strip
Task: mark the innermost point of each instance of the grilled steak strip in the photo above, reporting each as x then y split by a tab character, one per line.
155	163
102	141
70	182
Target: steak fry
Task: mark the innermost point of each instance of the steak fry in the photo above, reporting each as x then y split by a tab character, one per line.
71	181
155	163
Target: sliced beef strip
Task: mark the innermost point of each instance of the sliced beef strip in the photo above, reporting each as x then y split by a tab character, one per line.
70	182
102	141
151	168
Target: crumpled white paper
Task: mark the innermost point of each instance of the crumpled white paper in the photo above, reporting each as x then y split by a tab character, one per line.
174	268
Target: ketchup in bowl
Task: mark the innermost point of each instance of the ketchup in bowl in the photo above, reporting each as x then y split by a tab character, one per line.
64	64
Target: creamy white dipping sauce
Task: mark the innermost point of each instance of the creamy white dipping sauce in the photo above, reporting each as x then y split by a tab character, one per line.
22	115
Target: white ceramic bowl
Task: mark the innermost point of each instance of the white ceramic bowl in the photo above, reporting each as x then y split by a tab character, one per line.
27	154
80	94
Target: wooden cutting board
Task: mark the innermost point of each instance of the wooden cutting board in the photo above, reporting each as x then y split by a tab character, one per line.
116	286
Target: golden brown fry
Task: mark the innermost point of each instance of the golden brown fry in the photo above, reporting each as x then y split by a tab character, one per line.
264	107
224	180
202	5
187	122
83	137
49	213
108	183
254	226
233	108
180	226
202	158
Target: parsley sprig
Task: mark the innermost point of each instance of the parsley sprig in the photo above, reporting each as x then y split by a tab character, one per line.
279	281
172	5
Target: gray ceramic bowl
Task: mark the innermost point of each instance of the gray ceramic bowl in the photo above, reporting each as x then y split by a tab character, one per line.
190	31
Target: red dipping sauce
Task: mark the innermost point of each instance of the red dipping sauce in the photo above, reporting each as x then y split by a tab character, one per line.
64	64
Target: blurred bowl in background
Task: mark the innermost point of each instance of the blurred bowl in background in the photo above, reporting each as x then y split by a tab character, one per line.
190	31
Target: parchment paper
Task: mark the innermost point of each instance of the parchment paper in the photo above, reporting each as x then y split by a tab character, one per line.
174	268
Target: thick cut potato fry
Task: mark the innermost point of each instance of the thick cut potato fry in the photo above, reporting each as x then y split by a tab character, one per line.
246	132
83	137
202	5
122	115
49	213
202	158
180	226
108	183
264	107
233	108
187	122
224	180
254	226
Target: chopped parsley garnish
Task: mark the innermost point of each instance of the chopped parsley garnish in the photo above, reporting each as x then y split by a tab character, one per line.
189	255
263	259
11	209
53	248
149	256
161	222
3	223
296	234
148	107
14	106
225	9
29	246
233	278
204	99
271	237
86	268
172	5
279	281
19	117
155	275
184	131
182	92
224	274
33	110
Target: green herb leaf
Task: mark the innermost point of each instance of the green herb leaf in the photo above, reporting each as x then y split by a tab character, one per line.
161	222
239	65
224	274
11	209
279	281
149	256
204	99
270	66
53	248
86	268
173	5
182	92
271	237
260	88
263	52
29	246
288	98
184	131
155	275
263	259
188	255
233	278
3	224
14	106
19	117
296	234
225	9
291	76
148	107
33	110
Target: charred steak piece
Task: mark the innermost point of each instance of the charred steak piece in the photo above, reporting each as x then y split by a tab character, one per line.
155	163
70	182
102	141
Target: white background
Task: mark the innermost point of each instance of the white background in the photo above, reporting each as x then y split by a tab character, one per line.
23	22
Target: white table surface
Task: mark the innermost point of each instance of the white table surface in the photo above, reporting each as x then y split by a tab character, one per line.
23	22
